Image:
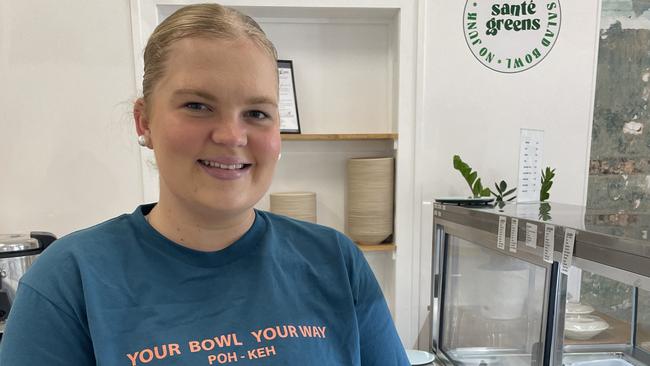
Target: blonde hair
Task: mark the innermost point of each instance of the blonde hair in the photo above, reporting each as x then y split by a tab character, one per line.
201	20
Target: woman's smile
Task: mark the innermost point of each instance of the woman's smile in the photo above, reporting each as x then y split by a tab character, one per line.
226	168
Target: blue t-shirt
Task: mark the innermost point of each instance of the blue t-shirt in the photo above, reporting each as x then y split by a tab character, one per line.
121	294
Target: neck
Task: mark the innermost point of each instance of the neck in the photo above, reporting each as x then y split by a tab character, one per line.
199	231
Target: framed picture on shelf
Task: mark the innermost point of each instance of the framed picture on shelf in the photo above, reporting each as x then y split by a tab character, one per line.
288	104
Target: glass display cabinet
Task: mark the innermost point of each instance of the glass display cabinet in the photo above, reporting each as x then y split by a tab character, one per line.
532	284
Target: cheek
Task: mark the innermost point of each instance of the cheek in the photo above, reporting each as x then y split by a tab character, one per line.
268	147
275	145
177	139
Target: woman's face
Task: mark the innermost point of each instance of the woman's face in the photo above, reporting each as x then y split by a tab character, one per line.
213	124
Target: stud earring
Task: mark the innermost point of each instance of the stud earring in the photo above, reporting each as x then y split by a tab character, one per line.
142	140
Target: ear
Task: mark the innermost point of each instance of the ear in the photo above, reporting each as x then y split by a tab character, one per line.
142	121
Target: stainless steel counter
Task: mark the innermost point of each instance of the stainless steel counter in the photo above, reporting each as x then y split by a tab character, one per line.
484	261
593	242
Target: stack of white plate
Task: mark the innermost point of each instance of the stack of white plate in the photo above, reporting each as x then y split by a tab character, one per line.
298	205
370	186
583	327
575	308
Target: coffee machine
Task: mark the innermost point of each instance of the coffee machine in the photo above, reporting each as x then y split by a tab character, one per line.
17	253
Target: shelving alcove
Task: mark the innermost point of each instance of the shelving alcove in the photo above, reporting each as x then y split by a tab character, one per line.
355	83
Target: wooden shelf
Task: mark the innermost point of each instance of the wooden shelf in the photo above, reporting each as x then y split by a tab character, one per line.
338	137
376	247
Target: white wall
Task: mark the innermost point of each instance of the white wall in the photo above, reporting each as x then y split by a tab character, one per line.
470	110
477	113
69	157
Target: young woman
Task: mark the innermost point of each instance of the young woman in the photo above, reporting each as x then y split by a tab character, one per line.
201	277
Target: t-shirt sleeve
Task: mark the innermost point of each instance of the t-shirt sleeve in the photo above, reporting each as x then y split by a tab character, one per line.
39	332
380	344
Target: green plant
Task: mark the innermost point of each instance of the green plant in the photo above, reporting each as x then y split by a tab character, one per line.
547	183
545	211
503	192
471	177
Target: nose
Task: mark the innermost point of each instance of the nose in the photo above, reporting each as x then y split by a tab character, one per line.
230	132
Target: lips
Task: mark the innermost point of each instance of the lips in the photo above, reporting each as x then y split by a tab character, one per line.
226	168
214	164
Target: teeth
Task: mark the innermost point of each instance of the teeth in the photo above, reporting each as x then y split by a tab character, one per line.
222	166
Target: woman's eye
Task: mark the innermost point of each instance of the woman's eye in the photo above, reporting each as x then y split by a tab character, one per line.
196	106
257	114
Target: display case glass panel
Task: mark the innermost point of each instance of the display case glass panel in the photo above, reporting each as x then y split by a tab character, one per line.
596	315
643	321
598	310
493	306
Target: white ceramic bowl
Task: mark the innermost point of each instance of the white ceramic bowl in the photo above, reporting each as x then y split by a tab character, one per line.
419	357
578	309
583	327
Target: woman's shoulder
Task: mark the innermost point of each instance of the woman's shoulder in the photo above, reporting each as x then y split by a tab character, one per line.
304	235
61	260
290	223
83	240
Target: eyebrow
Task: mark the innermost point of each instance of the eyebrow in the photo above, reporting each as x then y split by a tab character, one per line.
261	100
210	97
200	93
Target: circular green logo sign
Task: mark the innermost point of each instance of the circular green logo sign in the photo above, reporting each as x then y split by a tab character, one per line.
511	36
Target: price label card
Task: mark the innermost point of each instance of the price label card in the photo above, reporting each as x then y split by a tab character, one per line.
567	250
531	152
549	243
514	226
531	235
501	234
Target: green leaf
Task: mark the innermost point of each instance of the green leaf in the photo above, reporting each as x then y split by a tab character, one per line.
502	191
458	162
545	211
472	177
485	192
551	172
547	182
503	185
498	189
477	188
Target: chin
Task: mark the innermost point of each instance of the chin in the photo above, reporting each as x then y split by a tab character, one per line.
228	199
227	205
